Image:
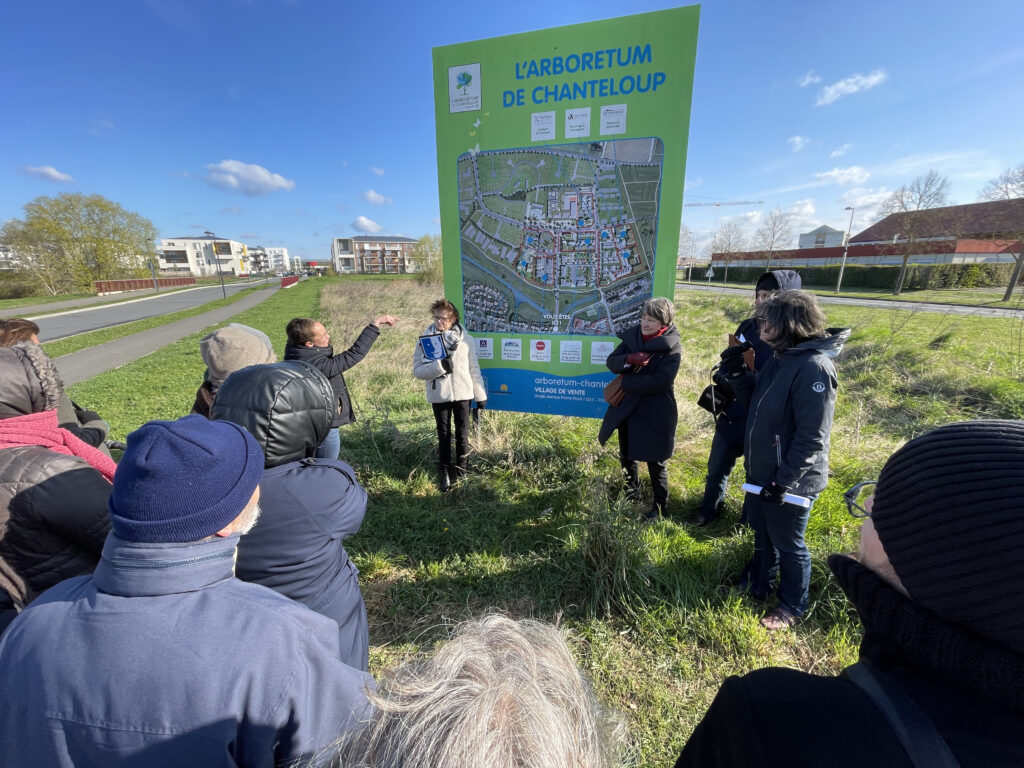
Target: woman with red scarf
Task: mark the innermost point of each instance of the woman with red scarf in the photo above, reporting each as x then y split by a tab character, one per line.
648	359
53	487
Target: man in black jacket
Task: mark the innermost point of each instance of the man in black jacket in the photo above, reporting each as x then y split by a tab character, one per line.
310	342
940	591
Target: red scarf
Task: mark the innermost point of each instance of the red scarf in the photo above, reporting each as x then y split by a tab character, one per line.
645	337
41	429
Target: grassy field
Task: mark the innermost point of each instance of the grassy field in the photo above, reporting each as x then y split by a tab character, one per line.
977	297
538	528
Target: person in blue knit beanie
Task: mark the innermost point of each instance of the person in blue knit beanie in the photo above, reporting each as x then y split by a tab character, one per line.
162	656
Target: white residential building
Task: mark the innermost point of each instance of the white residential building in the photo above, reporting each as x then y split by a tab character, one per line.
822	237
278	260
203	256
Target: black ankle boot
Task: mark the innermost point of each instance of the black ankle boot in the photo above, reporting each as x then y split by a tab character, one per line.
443	483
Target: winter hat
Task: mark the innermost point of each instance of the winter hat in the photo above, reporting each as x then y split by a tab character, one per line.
30	384
948	511
767	282
183	480
232	348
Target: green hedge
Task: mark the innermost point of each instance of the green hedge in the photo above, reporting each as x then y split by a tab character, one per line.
920	277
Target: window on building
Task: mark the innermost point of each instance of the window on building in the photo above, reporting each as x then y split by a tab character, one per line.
819	239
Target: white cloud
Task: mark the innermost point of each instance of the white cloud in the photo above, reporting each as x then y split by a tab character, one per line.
375	198
437	220
862	198
840	151
809	79
101	127
49	173
802	215
376	170
692	183
247	178
365	225
850	85
797	142
232	209
852	175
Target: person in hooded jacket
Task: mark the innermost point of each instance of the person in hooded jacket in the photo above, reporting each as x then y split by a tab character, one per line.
308	340
791	403
731	423
84	424
225	351
648	357
452	383
53	486
939	591
309	505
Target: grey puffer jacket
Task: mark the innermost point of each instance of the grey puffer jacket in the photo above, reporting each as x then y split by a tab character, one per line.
790	421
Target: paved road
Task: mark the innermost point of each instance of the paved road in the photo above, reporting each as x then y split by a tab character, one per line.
58	325
907	306
86	363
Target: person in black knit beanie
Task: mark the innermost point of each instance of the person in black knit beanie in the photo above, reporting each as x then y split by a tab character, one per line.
939	589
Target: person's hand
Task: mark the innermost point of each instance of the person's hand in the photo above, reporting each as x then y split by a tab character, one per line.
639	359
446	363
481	405
732	358
388	320
773	493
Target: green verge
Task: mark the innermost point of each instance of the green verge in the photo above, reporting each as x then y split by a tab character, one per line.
539	528
93	338
956	296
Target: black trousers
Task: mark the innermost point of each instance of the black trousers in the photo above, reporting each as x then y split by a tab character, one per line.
443	413
658	470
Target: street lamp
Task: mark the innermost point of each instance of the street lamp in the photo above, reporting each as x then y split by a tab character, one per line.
216	258
846	246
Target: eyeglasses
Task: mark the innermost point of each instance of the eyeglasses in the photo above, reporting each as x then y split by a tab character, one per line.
857	496
439	318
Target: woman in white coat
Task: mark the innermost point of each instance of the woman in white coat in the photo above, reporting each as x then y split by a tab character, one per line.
452	382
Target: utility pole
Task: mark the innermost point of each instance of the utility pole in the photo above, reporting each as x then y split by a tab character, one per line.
216	258
846	246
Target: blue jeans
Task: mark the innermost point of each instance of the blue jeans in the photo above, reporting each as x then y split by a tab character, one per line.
780	550
330	447
722	459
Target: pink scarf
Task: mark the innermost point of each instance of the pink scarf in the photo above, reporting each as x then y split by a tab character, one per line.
41	429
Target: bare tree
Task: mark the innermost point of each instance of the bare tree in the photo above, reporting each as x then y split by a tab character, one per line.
729	238
1006	186
774	233
928	191
1009	185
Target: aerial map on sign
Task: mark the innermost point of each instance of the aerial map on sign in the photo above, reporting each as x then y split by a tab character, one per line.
559	239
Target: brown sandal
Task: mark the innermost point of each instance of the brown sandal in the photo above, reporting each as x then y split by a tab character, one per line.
779	618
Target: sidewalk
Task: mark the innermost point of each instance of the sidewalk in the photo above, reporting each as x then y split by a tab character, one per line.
86	363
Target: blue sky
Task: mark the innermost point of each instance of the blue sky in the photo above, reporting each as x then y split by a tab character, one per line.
288	122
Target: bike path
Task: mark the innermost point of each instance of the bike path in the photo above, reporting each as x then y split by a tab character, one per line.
86	363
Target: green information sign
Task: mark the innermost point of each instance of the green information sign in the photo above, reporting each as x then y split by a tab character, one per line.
561	157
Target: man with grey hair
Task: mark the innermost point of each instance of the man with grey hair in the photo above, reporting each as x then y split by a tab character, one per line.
499	693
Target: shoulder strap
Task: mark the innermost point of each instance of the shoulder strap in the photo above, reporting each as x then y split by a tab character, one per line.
921	741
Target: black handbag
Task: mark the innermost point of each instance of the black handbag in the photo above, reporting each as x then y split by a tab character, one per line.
714	399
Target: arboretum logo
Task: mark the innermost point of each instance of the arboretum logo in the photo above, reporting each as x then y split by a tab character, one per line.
464	88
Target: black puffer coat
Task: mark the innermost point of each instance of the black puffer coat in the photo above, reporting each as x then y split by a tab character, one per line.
649	407
333	365
53	507
308	505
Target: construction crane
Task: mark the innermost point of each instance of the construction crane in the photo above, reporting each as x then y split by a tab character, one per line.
727	202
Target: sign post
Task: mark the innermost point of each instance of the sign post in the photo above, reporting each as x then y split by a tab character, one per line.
561	158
